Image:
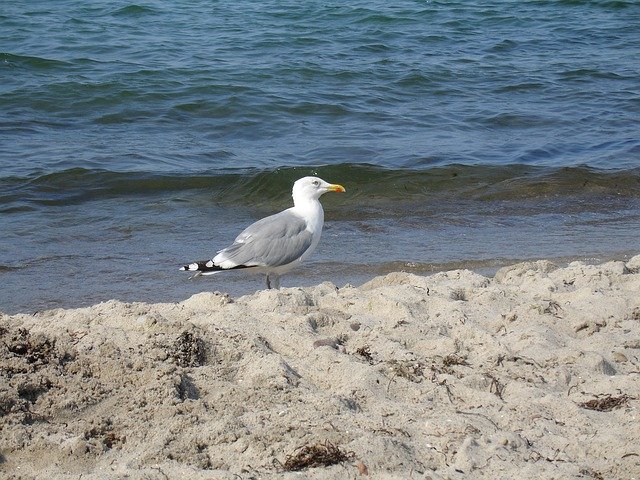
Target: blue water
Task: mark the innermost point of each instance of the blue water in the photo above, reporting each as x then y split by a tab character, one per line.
137	136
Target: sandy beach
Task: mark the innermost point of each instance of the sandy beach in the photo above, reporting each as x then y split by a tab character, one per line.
533	373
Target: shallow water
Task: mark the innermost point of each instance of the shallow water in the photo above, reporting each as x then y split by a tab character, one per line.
136	137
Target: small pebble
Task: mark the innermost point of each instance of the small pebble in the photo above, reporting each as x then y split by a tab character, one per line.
325	342
620	357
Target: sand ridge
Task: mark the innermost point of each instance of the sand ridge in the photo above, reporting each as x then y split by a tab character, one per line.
534	373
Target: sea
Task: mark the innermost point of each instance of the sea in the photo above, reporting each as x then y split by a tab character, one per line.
139	136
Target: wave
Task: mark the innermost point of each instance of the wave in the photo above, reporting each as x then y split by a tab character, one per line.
134	10
363	182
31	62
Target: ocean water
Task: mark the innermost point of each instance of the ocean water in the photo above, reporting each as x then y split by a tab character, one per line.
135	137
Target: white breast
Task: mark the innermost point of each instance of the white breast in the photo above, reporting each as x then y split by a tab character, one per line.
313	214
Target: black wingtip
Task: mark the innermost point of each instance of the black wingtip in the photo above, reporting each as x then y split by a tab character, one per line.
199	267
208	266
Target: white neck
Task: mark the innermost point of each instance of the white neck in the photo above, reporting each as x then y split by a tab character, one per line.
300	200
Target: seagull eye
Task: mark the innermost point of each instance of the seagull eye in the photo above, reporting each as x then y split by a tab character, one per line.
315	183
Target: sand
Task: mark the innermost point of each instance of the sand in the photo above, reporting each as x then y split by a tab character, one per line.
534	373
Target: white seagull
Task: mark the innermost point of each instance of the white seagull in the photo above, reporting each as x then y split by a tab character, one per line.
278	243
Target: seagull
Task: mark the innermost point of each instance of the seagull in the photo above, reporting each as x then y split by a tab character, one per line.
277	243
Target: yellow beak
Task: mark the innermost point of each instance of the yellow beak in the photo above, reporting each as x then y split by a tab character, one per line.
336	188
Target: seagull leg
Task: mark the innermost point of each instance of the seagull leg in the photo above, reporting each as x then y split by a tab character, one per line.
268	282
276	281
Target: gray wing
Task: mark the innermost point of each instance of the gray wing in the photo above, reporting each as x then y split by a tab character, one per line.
271	242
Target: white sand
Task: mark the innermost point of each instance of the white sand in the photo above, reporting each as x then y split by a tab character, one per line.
454	375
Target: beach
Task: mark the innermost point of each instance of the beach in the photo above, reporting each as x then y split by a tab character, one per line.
472	309
531	373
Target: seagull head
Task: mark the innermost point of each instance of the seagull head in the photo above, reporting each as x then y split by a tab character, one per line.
308	188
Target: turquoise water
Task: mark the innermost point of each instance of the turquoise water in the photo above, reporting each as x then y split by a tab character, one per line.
138	136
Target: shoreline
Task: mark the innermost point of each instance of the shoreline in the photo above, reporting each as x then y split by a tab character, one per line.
178	286
532	372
